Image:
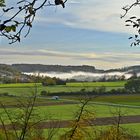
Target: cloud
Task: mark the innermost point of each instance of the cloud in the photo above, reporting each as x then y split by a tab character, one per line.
87	14
43	56
92	14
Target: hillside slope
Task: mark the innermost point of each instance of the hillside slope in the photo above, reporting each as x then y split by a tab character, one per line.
53	68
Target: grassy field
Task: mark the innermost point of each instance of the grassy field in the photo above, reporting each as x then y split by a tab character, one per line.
133	129
50	89
71	84
20	85
97	84
67	112
12	101
120	99
25	88
63	112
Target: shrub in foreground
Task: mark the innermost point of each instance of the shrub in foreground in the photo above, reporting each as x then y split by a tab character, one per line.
115	133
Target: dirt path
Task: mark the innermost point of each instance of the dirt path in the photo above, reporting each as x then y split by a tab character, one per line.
91	122
41	104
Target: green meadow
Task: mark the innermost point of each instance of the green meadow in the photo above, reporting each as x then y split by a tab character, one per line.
61	111
66	107
19	85
25	88
67	112
133	129
120	99
98	84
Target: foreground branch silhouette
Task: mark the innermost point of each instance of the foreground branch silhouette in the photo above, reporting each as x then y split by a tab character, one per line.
22	17
133	22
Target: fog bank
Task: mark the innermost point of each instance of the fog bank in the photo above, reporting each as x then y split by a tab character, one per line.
82	76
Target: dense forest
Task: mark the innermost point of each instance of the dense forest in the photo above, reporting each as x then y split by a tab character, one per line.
18	68
51	68
69	68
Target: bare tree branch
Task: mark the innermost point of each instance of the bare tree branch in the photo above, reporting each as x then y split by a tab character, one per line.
133	22
15	26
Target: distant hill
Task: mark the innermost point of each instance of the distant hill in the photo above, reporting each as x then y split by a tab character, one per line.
8	70
53	68
69	68
79	73
129	69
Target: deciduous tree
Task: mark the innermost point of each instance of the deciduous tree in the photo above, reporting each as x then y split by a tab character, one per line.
133	22
22	17
133	86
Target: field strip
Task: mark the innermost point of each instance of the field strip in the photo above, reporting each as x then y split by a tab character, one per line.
90	122
116	105
106	104
70	101
86	86
41	104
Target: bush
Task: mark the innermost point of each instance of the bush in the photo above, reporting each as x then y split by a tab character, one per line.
44	93
4	94
133	85
101	89
49	82
115	133
83	90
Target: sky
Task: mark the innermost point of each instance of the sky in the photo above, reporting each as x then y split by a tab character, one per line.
85	32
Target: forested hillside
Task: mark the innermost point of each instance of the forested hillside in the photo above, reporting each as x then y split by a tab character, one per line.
69	68
51	68
16	69
8	70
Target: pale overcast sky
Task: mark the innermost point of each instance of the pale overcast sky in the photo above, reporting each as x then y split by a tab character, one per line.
86	32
